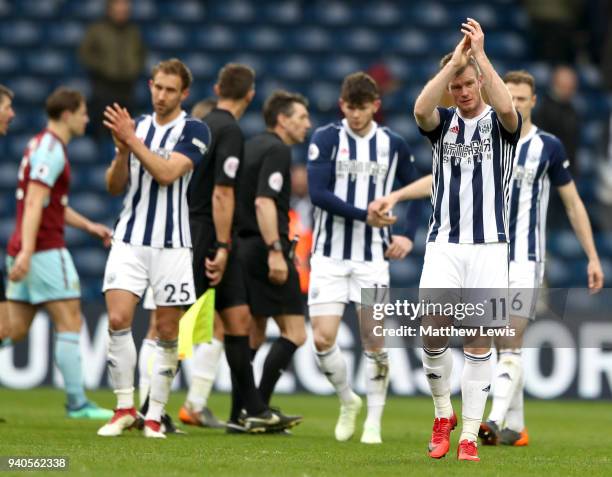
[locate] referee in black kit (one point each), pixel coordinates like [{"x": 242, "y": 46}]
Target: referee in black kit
[
  {"x": 211, "y": 212},
  {"x": 263, "y": 247}
]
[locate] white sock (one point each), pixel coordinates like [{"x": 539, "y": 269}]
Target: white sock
[
  {"x": 204, "y": 368},
  {"x": 475, "y": 386},
  {"x": 121, "y": 366},
  {"x": 145, "y": 357},
  {"x": 508, "y": 374},
  {"x": 332, "y": 364},
  {"x": 166, "y": 360},
  {"x": 377, "y": 382},
  {"x": 515, "y": 417},
  {"x": 438, "y": 367}
]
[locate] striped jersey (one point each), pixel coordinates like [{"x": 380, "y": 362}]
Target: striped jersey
[
  {"x": 540, "y": 161},
  {"x": 472, "y": 168},
  {"x": 155, "y": 215},
  {"x": 345, "y": 173}
]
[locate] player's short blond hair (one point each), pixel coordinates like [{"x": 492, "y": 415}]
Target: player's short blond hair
[
  {"x": 471, "y": 62},
  {"x": 521, "y": 77},
  {"x": 174, "y": 66}
]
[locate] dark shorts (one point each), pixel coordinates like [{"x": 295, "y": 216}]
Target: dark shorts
[
  {"x": 231, "y": 291},
  {"x": 266, "y": 299}
]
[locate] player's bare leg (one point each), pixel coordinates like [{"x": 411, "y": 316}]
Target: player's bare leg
[
  {"x": 507, "y": 391},
  {"x": 333, "y": 365},
  {"x": 121, "y": 359},
  {"x": 5, "y": 325},
  {"x": 66, "y": 317},
  {"x": 205, "y": 362},
  {"x": 377, "y": 375},
  {"x": 438, "y": 367}
]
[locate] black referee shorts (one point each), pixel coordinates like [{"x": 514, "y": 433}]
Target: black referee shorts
[
  {"x": 264, "y": 298},
  {"x": 231, "y": 291}
]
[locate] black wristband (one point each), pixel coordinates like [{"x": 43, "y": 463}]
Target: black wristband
[{"x": 225, "y": 245}]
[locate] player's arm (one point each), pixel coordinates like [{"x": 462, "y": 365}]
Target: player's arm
[
  {"x": 118, "y": 173},
  {"x": 33, "y": 204},
  {"x": 164, "y": 170},
  {"x": 426, "y": 105},
  {"x": 579, "y": 219},
  {"x": 228, "y": 150},
  {"x": 76, "y": 220},
  {"x": 320, "y": 169},
  {"x": 269, "y": 185},
  {"x": 496, "y": 89}
]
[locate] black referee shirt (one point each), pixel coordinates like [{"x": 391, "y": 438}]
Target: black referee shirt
[
  {"x": 222, "y": 168},
  {"x": 265, "y": 173}
]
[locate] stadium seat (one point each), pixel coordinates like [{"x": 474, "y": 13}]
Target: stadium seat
[
  {"x": 187, "y": 11},
  {"x": 264, "y": 39},
  {"x": 21, "y": 33},
  {"x": 380, "y": 14},
  {"x": 9, "y": 61},
  {"x": 427, "y": 14},
  {"x": 252, "y": 123},
  {"x": 405, "y": 273},
  {"x": 90, "y": 260},
  {"x": 39, "y": 10},
  {"x": 47, "y": 62},
  {"x": 311, "y": 38},
  {"x": 216, "y": 37},
  {"x": 202, "y": 65},
  {"x": 66, "y": 34},
  {"x": 409, "y": 42},
  {"x": 234, "y": 11},
  {"x": 286, "y": 12},
  {"x": 85, "y": 9},
  {"x": 360, "y": 40},
  {"x": 324, "y": 96},
  {"x": 83, "y": 150},
  {"x": 294, "y": 67},
  {"x": 8, "y": 172},
  {"x": 166, "y": 36},
  {"x": 331, "y": 13},
  {"x": 143, "y": 10},
  {"x": 338, "y": 66}
]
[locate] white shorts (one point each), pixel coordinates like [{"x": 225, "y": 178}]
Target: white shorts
[
  {"x": 168, "y": 271},
  {"x": 526, "y": 279},
  {"x": 338, "y": 282},
  {"x": 148, "y": 302},
  {"x": 468, "y": 273}
]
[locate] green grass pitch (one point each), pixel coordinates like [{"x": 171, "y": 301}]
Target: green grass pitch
[{"x": 568, "y": 438}]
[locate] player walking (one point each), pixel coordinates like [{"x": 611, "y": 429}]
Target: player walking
[
  {"x": 351, "y": 163},
  {"x": 40, "y": 269}
]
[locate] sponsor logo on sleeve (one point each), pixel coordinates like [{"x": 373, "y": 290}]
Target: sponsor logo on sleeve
[
  {"x": 566, "y": 163},
  {"x": 275, "y": 181},
  {"x": 199, "y": 144}
]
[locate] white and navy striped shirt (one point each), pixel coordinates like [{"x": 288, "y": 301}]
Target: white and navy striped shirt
[
  {"x": 540, "y": 160},
  {"x": 155, "y": 215},
  {"x": 345, "y": 173},
  {"x": 472, "y": 168}
]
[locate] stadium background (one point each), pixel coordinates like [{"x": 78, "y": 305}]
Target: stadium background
[{"x": 307, "y": 47}]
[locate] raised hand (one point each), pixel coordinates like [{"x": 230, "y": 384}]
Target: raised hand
[
  {"x": 462, "y": 53},
  {"x": 120, "y": 123},
  {"x": 474, "y": 35}
]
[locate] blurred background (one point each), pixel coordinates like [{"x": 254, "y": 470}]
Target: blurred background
[{"x": 106, "y": 49}]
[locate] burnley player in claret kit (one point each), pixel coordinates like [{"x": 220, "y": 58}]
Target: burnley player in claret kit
[
  {"x": 40, "y": 269},
  {"x": 467, "y": 244}
]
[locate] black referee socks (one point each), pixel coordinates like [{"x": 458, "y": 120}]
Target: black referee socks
[{"x": 276, "y": 362}]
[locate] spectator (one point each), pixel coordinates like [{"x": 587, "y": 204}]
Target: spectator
[
  {"x": 387, "y": 84},
  {"x": 113, "y": 54},
  {"x": 557, "y": 114},
  {"x": 553, "y": 28}
]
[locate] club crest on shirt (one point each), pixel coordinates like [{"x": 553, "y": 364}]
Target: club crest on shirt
[{"x": 485, "y": 126}]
